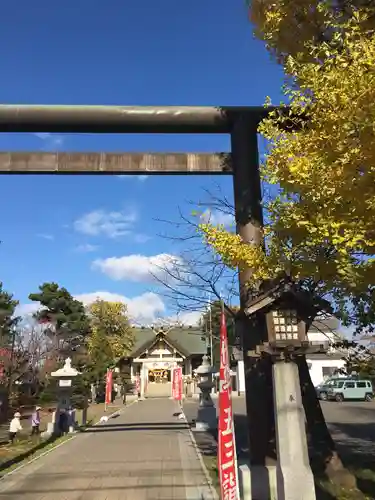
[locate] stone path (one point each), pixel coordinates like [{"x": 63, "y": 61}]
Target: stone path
[{"x": 145, "y": 453}]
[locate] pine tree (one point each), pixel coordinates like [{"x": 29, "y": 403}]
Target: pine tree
[{"x": 68, "y": 323}]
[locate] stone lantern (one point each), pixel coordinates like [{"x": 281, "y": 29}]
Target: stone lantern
[
  {"x": 285, "y": 307},
  {"x": 206, "y": 417},
  {"x": 64, "y": 377}
]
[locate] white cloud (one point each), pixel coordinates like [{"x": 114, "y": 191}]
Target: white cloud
[
  {"x": 46, "y": 236},
  {"x": 141, "y": 178},
  {"x": 50, "y": 140},
  {"x": 86, "y": 248},
  {"x": 187, "y": 318},
  {"x": 139, "y": 268},
  {"x": 141, "y": 238},
  {"x": 27, "y": 309},
  {"x": 111, "y": 224},
  {"x": 217, "y": 218},
  {"x": 142, "y": 309},
  {"x": 43, "y": 135}
]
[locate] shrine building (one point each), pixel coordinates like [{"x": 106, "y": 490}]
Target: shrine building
[{"x": 157, "y": 350}]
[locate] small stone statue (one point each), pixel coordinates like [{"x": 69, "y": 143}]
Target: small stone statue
[{"x": 68, "y": 365}]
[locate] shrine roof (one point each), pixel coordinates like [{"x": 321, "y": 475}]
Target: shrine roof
[{"x": 187, "y": 340}]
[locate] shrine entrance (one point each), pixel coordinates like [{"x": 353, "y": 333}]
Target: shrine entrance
[
  {"x": 159, "y": 376},
  {"x": 242, "y": 163},
  {"x": 155, "y": 362},
  {"x": 159, "y": 383}
]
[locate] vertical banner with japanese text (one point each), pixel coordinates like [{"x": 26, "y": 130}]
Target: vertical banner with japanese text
[
  {"x": 177, "y": 383},
  {"x": 145, "y": 376},
  {"x": 108, "y": 387},
  {"x": 137, "y": 384},
  {"x": 227, "y": 456},
  {"x": 174, "y": 383}
]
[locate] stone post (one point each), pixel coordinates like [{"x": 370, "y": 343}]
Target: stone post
[
  {"x": 294, "y": 478},
  {"x": 93, "y": 393},
  {"x": 84, "y": 411},
  {"x": 206, "y": 417},
  {"x": 189, "y": 392}
]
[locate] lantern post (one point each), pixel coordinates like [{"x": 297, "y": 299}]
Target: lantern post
[{"x": 285, "y": 307}]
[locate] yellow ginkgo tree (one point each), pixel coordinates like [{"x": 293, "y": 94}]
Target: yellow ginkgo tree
[
  {"x": 320, "y": 227},
  {"x": 111, "y": 336},
  {"x": 289, "y": 26}
]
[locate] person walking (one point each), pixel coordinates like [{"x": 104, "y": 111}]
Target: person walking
[
  {"x": 63, "y": 422},
  {"x": 35, "y": 421},
  {"x": 123, "y": 393},
  {"x": 15, "y": 426}
]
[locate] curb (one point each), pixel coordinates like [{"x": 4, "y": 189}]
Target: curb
[
  {"x": 214, "y": 494},
  {"x": 21, "y": 466}
]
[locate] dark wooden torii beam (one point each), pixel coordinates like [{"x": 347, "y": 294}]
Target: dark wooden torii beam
[
  {"x": 125, "y": 119},
  {"x": 115, "y": 163},
  {"x": 120, "y": 119},
  {"x": 241, "y": 123}
]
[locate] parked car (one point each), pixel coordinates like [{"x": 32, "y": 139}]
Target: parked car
[
  {"x": 323, "y": 388},
  {"x": 354, "y": 389}
]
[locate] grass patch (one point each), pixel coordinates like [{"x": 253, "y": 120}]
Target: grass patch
[
  {"x": 25, "y": 449},
  {"x": 325, "y": 490},
  {"x": 94, "y": 413},
  {"x": 211, "y": 463},
  {"x": 365, "y": 482}
]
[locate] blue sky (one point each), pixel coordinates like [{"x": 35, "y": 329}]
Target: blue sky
[{"x": 96, "y": 234}]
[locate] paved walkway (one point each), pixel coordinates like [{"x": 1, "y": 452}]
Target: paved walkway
[{"x": 145, "y": 453}]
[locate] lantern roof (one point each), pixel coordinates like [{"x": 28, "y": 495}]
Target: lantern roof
[{"x": 283, "y": 293}]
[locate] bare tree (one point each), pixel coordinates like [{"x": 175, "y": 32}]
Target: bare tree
[
  {"x": 28, "y": 356},
  {"x": 32, "y": 342},
  {"x": 20, "y": 363},
  {"x": 197, "y": 275}
]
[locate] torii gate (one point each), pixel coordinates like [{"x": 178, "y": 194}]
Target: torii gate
[{"x": 242, "y": 163}]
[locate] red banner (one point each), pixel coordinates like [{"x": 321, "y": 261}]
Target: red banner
[
  {"x": 177, "y": 383},
  {"x": 137, "y": 384},
  {"x": 227, "y": 456},
  {"x": 173, "y": 382},
  {"x": 108, "y": 387}
]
